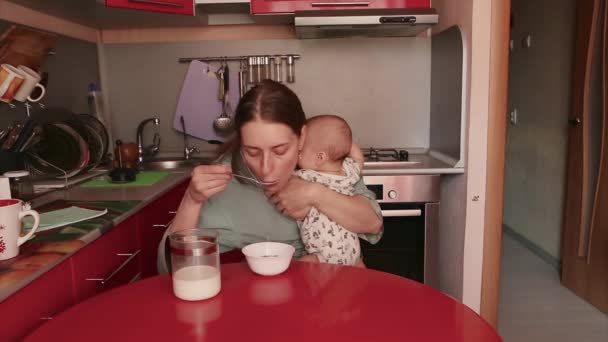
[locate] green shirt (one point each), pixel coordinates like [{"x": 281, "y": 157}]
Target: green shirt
[{"x": 243, "y": 214}]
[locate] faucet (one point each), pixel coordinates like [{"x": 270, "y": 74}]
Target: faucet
[
  {"x": 188, "y": 151},
  {"x": 149, "y": 150}
]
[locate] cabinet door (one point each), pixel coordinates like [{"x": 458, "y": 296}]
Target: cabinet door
[
  {"x": 111, "y": 260},
  {"x": 185, "y": 7},
  {"x": 153, "y": 221},
  {"x": 37, "y": 302},
  {"x": 290, "y": 6}
]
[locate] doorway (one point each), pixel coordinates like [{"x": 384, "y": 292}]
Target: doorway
[{"x": 542, "y": 170}]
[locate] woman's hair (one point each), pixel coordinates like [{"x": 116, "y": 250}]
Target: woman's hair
[{"x": 268, "y": 101}]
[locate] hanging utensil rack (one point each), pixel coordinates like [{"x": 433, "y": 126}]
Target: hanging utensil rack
[{"x": 255, "y": 68}]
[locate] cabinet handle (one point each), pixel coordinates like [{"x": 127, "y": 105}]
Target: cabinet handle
[
  {"x": 164, "y": 226},
  {"x": 173, "y": 212},
  {"x": 46, "y": 318},
  {"x": 340, "y": 3},
  {"x": 105, "y": 280},
  {"x": 159, "y": 3}
]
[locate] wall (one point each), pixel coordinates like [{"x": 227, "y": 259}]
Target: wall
[
  {"x": 70, "y": 70},
  {"x": 539, "y": 87},
  {"x": 381, "y": 86},
  {"x": 474, "y": 18}
]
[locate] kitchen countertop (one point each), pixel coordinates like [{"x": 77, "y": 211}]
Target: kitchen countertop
[
  {"x": 121, "y": 202},
  {"x": 421, "y": 164}
]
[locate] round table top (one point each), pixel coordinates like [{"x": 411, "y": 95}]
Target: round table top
[{"x": 309, "y": 302}]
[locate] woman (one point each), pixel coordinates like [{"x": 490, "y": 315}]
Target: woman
[{"x": 269, "y": 132}]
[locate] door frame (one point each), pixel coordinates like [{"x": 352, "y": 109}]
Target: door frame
[{"x": 495, "y": 164}]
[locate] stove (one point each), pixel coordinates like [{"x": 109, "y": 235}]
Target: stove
[{"x": 372, "y": 154}]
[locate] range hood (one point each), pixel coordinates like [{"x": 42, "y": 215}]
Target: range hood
[{"x": 364, "y": 22}]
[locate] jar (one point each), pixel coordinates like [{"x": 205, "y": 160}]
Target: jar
[
  {"x": 20, "y": 184},
  {"x": 195, "y": 263}
]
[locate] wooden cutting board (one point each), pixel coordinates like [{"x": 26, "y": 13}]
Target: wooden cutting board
[{"x": 21, "y": 45}]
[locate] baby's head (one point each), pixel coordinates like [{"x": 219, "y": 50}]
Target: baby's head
[{"x": 328, "y": 142}]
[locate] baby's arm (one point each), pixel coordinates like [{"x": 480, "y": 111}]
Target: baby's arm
[{"x": 357, "y": 155}]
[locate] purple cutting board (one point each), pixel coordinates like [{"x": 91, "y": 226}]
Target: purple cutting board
[{"x": 198, "y": 101}]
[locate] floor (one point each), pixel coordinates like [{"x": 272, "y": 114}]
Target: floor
[{"x": 535, "y": 307}]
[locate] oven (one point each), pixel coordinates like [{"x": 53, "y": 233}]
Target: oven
[{"x": 410, "y": 212}]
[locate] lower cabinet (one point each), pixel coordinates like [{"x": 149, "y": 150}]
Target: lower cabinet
[
  {"x": 37, "y": 302},
  {"x": 107, "y": 262},
  {"x": 124, "y": 254}
]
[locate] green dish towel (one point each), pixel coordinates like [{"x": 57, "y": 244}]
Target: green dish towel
[{"x": 144, "y": 178}]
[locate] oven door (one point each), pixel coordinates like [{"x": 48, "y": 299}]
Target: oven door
[{"x": 407, "y": 247}]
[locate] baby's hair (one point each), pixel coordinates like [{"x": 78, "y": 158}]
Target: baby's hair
[{"x": 337, "y": 144}]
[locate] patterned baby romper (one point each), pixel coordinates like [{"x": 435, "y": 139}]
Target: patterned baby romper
[{"x": 331, "y": 242}]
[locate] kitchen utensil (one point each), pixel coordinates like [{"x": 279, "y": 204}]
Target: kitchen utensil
[
  {"x": 250, "y": 71},
  {"x": 242, "y": 80},
  {"x": 266, "y": 67},
  {"x": 259, "y": 60},
  {"x": 254, "y": 180},
  {"x": 291, "y": 70},
  {"x": 12, "y": 137},
  {"x": 24, "y": 135},
  {"x": 277, "y": 69},
  {"x": 223, "y": 123},
  {"x": 198, "y": 102}
]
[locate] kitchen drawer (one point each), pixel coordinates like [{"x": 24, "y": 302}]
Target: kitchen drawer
[
  {"x": 37, "y": 302},
  {"x": 185, "y": 7},
  {"x": 111, "y": 260},
  {"x": 291, "y": 6}
]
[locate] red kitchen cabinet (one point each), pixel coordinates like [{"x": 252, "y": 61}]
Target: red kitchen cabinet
[
  {"x": 37, "y": 302},
  {"x": 185, "y": 7},
  {"x": 109, "y": 261},
  {"x": 291, "y": 6},
  {"x": 153, "y": 221}
]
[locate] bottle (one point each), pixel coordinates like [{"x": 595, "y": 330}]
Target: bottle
[{"x": 95, "y": 102}]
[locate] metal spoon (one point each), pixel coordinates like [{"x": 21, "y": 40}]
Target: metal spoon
[{"x": 255, "y": 180}]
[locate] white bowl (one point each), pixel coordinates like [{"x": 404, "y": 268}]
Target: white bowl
[{"x": 268, "y": 258}]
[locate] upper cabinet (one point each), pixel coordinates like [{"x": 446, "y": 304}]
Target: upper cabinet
[
  {"x": 291, "y": 6},
  {"x": 185, "y": 7}
]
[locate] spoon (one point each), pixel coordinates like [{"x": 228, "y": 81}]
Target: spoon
[{"x": 255, "y": 180}]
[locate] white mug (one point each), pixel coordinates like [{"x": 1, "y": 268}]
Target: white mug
[
  {"x": 11, "y": 214},
  {"x": 30, "y": 82},
  {"x": 11, "y": 79}
]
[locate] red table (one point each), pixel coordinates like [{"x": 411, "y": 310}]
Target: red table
[{"x": 309, "y": 302}]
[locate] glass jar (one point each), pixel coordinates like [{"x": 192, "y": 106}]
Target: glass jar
[
  {"x": 20, "y": 184},
  {"x": 195, "y": 263}
]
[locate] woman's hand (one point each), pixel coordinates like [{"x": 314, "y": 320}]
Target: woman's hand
[
  {"x": 296, "y": 198},
  {"x": 208, "y": 180}
]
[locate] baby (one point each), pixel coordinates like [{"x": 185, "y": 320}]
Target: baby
[{"x": 329, "y": 157}]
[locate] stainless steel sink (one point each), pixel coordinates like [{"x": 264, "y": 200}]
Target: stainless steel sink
[{"x": 172, "y": 163}]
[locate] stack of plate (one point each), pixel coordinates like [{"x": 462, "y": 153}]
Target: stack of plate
[{"x": 63, "y": 144}]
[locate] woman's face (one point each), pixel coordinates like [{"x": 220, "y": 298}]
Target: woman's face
[{"x": 271, "y": 151}]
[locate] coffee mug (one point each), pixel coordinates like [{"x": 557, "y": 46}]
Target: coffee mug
[
  {"x": 11, "y": 79},
  {"x": 30, "y": 82},
  {"x": 11, "y": 214}
]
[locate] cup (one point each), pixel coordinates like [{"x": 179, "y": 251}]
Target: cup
[
  {"x": 30, "y": 82},
  {"x": 11, "y": 214},
  {"x": 195, "y": 263},
  {"x": 11, "y": 80}
]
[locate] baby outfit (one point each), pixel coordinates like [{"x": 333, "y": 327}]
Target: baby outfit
[{"x": 331, "y": 242}]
